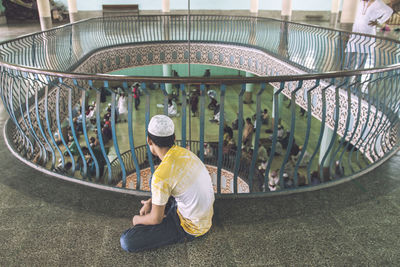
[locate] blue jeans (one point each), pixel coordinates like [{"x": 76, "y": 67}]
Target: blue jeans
[
  {"x": 137, "y": 102},
  {"x": 144, "y": 237}
]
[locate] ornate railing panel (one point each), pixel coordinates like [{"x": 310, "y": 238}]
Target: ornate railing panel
[{"x": 311, "y": 48}]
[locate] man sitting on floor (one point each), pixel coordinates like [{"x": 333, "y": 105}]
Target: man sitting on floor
[{"x": 181, "y": 189}]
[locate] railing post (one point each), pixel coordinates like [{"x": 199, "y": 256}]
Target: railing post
[{"x": 221, "y": 136}]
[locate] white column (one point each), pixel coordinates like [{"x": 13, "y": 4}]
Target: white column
[
  {"x": 167, "y": 71},
  {"x": 280, "y": 98},
  {"x": 254, "y": 6},
  {"x": 286, "y": 12},
  {"x": 44, "y": 14},
  {"x": 335, "y": 6},
  {"x": 326, "y": 140},
  {"x": 167, "y": 68},
  {"x": 334, "y": 12},
  {"x": 323, "y": 151},
  {"x": 283, "y": 38},
  {"x": 349, "y": 11},
  {"x": 165, "y": 6},
  {"x": 73, "y": 11},
  {"x": 253, "y": 22},
  {"x": 248, "y": 94}
]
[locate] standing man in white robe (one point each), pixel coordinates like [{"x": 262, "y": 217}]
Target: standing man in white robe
[
  {"x": 370, "y": 13},
  {"x": 122, "y": 107}
]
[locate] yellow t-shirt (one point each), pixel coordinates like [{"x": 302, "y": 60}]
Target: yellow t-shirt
[{"x": 181, "y": 174}]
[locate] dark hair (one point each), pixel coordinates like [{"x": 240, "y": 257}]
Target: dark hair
[
  {"x": 68, "y": 165},
  {"x": 85, "y": 150},
  {"x": 165, "y": 141}
]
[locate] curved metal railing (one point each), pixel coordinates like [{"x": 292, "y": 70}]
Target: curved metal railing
[
  {"x": 352, "y": 115},
  {"x": 228, "y": 163},
  {"x": 312, "y": 48}
]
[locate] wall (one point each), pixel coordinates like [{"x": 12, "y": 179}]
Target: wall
[
  {"x": 308, "y": 5},
  {"x": 211, "y": 4},
  {"x": 182, "y": 69},
  {"x": 311, "y": 5}
]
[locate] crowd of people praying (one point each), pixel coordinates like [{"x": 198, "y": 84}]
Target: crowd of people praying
[
  {"x": 249, "y": 126},
  {"x": 89, "y": 117},
  {"x": 266, "y": 146}
]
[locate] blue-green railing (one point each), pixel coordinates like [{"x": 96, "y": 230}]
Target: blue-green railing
[
  {"x": 311, "y": 48},
  {"x": 356, "y": 111}
]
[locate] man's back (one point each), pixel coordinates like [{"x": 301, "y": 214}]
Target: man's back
[{"x": 182, "y": 175}]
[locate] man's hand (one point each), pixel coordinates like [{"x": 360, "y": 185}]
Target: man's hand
[
  {"x": 134, "y": 220},
  {"x": 146, "y": 207},
  {"x": 373, "y": 22},
  {"x": 154, "y": 216}
]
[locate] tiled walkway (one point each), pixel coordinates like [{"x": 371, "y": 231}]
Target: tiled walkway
[{"x": 49, "y": 222}]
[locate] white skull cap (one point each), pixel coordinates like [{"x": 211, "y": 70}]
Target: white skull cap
[{"x": 161, "y": 126}]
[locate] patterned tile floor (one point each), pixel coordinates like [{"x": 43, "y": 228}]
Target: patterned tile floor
[{"x": 226, "y": 180}]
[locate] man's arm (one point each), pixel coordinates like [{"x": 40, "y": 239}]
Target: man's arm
[
  {"x": 154, "y": 217},
  {"x": 146, "y": 207},
  {"x": 387, "y": 12}
]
